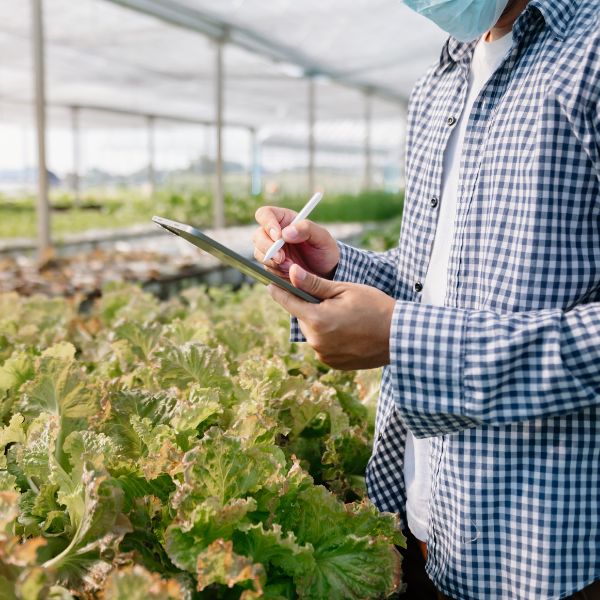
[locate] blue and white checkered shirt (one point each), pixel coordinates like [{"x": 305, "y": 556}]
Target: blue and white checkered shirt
[{"x": 505, "y": 378}]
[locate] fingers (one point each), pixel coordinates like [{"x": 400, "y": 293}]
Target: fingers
[
  {"x": 294, "y": 305},
  {"x": 304, "y": 231},
  {"x": 273, "y": 218},
  {"x": 262, "y": 242},
  {"x": 314, "y": 285}
]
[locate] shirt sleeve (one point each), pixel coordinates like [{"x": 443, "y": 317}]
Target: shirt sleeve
[
  {"x": 377, "y": 269},
  {"x": 453, "y": 369}
]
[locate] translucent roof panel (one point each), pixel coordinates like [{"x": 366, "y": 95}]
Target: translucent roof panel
[
  {"x": 99, "y": 53},
  {"x": 121, "y": 61},
  {"x": 377, "y": 42}
]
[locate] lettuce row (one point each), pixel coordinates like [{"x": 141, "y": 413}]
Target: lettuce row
[{"x": 182, "y": 449}]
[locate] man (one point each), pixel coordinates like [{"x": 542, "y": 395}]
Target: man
[{"x": 487, "y": 315}]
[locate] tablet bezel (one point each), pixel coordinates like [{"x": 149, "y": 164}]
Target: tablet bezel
[{"x": 229, "y": 257}]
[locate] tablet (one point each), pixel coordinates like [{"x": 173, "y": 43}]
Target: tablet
[{"x": 231, "y": 258}]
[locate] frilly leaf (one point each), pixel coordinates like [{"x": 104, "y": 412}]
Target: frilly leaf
[
  {"x": 136, "y": 583},
  {"x": 59, "y": 387},
  {"x": 194, "y": 363},
  {"x": 193, "y": 530},
  {"x": 220, "y": 564}
]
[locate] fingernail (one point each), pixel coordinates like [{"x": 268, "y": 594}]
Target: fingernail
[
  {"x": 292, "y": 232},
  {"x": 274, "y": 233},
  {"x": 300, "y": 273}
]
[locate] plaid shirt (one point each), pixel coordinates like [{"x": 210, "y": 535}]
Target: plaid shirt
[{"x": 505, "y": 378}]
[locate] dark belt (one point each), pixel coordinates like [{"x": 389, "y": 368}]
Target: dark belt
[{"x": 591, "y": 592}]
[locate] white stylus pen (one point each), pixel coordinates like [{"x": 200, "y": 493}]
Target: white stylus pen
[{"x": 306, "y": 210}]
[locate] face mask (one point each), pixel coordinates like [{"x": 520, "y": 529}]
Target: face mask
[{"x": 466, "y": 20}]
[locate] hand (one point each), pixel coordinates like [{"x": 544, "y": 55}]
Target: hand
[
  {"x": 307, "y": 244},
  {"x": 350, "y": 328}
]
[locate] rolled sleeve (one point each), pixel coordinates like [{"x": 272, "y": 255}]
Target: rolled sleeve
[
  {"x": 453, "y": 369},
  {"x": 426, "y": 358}
]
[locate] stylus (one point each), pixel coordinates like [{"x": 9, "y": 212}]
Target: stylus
[{"x": 306, "y": 210}]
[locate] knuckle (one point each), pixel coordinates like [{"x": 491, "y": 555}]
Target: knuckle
[
  {"x": 303, "y": 226},
  {"x": 263, "y": 214}
]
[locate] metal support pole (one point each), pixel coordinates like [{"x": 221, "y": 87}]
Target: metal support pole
[
  {"x": 255, "y": 168},
  {"x": 311, "y": 135},
  {"x": 219, "y": 199},
  {"x": 43, "y": 205},
  {"x": 368, "y": 154},
  {"x": 151, "y": 155},
  {"x": 75, "y": 183},
  {"x": 205, "y": 170},
  {"x": 25, "y": 180}
]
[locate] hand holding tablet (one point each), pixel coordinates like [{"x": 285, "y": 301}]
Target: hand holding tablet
[
  {"x": 229, "y": 257},
  {"x": 303, "y": 214}
]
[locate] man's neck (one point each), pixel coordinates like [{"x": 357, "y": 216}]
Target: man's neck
[{"x": 506, "y": 21}]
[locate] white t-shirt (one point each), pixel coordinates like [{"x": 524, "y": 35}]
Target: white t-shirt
[{"x": 487, "y": 57}]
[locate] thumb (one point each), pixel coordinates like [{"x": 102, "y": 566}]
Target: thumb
[
  {"x": 306, "y": 231},
  {"x": 314, "y": 285}
]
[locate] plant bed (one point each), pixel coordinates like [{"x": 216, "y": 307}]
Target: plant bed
[{"x": 182, "y": 449}]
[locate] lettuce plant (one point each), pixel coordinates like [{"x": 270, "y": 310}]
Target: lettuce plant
[{"x": 182, "y": 449}]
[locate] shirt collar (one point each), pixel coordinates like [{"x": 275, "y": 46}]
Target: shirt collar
[{"x": 556, "y": 15}]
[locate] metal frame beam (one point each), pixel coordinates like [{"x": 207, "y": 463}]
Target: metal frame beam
[
  {"x": 255, "y": 164},
  {"x": 154, "y": 115},
  {"x": 219, "y": 195},
  {"x": 312, "y": 117},
  {"x": 75, "y": 133},
  {"x": 115, "y": 110},
  {"x": 368, "y": 135},
  {"x": 151, "y": 155},
  {"x": 43, "y": 204},
  {"x": 349, "y": 148},
  {"x": 214, "y": 26}
]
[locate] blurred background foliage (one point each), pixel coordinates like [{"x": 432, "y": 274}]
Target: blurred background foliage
[{"x": 17, "y": 216}]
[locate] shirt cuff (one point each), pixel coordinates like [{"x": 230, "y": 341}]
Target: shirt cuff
[
  {"x": 353, "y": 265},
  {"x": 427, "y": 352}
]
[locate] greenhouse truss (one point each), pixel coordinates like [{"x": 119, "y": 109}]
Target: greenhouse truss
[{"x": 325, "y": 76}]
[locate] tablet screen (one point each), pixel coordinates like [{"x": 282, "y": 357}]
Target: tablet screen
[{"x": 230, "y": 258}]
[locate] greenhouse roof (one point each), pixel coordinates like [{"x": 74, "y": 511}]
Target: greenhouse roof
[{"x": 152, "y": 60}]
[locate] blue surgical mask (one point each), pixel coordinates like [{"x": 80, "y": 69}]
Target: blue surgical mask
[{"x": 466, "y": 20}]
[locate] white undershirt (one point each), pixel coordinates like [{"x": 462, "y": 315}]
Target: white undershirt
[{"x": 486, "y": 59}]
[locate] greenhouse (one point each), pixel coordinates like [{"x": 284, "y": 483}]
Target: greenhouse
[
  {"x": 299, "y": 300},
  {"x": 152, "y": 86}
]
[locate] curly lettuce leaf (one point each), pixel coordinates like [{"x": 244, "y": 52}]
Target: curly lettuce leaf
[
  {"x": 191, "y": 533},
  {"x": 136, "y": 583},
  {"x": 194, "y": 363},
  {"x": 347, "y": 565},
  {"x": 221, "y": 467},
  {"x": 100, "y": 526},
  {"x": 220, "y": 564}
]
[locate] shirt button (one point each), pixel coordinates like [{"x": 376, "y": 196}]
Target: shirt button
[
  {"x": 451, "y": 121},
  {"x": 418, "y": 286},
  {"x": 434, "y": 202}
]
